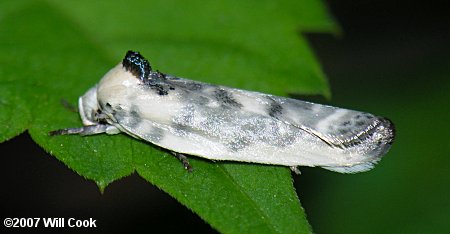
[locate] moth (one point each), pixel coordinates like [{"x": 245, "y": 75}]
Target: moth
[{"x": 221, "y": 123}]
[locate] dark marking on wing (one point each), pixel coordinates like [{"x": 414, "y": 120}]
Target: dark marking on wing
[
  {"x": 275, "y": 109},
  {"x": 158, "y": 82},
  {"x": 134, "y": 117},
  {"x": 183, "y": 122},
  {"x": 181, "y": 130},
  {"x": 160, "y": 89},
  {"x": 191, "y": 91},
  {"x": 224, "y": 97},
  {"x": 346, "y": 123},
  {"x": 237, "y": 144}
]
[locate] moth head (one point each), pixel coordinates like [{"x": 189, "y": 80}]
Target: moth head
[{"x": 135, "y": 63}]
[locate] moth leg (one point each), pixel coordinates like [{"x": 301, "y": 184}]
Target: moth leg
[
  {"x": 295, "y": 170},
  {"x": 184, "y": 160},
  {"x": 87, "y": 130}
]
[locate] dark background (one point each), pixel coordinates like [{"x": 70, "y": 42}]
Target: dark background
[{"x": 390, "y": 59}]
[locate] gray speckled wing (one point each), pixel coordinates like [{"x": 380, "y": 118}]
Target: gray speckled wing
[
  {"x": 281, "y": 121},
  {"x": 337, "y": 126}
]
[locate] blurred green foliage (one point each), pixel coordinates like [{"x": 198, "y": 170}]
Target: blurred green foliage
[{"x": 409, "y": 190}]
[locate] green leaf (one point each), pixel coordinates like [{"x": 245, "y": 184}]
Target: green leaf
[
  {"x": 53, "y": 50},
  {"x": 13, "y": 108}
]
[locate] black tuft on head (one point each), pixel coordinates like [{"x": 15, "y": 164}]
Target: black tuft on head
[{"x": 137, "y": 65}]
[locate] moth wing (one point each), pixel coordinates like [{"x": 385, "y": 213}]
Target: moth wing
[
  {"x": 360, "y": 136},
  {"x": 223, "y": 123},
  {"x": 337, "y": 126}
]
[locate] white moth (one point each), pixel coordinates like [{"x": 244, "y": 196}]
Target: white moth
[{"x": 222, "y": 123}]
